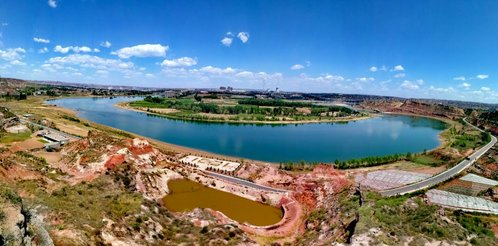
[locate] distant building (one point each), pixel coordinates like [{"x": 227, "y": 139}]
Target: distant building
[{"x": 169, "y": 94}]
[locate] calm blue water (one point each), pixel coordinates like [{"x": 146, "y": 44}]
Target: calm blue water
[{"x": 322, "y": 142}]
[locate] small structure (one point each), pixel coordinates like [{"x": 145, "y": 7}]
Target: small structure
[
  {"x": 202, "y": 163},
  {"x": 56, "y": 137},
  {"x": 55, "y": 140}
]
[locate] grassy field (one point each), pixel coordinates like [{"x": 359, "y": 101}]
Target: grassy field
[
  {"x": 427, "y": 159},
  {"x": 406, "y": 216},
  {"x": 14, "y": 137}
]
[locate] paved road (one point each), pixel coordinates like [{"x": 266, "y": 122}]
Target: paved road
[
  {"x": 441, "y": 177},
  {"x": 243, "y": 182}
]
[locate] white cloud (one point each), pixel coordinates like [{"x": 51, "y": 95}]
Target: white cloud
[
  {"x": 12, "y": 54},
  {"x": 399, "y": 68},
  {"x": 18, "y": 63},
  {"x": 245, "y": 74},
  {"x": 106, "y": 44},
  {"x": 373, "y": 69},
  {"x": 441, "y": 90},
  {"x": 485, "y": 89},
  {"x": 102, "y": 72},
  {"x": 459, "y": 78},
  {"x": 399, "y": 75},
  {"x": 142, "y": 50},
  {"x": 227, "y": 41},
  {"x": 180, "y": 62},
  {"x": 216, "y": 70},
  {"x": 482, "y": 76},
  {"x": 365, "y": 79},
  {"x": 89, "y": 61},
  {"x": 297, "y": 67},
  {"x": 243, "y": 36},
  {"x": 61, "y": 49},
  {"x": 43, "y": 50},
  {"x": 75, "y": 49},
  {"x": 41, "y": 40},
  {"x": 465, "y": 85},
  {"x": 52, "y": 3},
  {"x": 409, "y": 85},
  {"x": 420, "y": 81},
  {"x": 323, "y": 78},
  {"x": 149, "y": 75},
  {"x": 82, "y": 49},
  {"x": 383, "y": 68}
]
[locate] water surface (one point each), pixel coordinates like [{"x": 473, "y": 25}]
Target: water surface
[
  {"x": 185, "y": 195},
  {"x": 316, "y": 142}
]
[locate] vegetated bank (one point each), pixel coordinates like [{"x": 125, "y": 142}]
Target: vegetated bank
[
  {"x": 248, "y": 110},
  {"x": 458, "y": 140}
]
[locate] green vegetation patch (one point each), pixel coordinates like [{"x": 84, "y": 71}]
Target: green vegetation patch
[
  {"x": 474, "y": 223},
  {"x": 86, "y": 203},
  {"x": 14, "y": 137},
  {"x": 6, "y": 113},
  {"x": 243, "y": 110},
  {"x": 410, "y": 216},
  {"x": 70, "y": 118},
  {"x": 371, "y": 161},
  {"x": 427, "y": 159}
]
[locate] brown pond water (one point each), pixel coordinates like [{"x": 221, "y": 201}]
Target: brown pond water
[{"x": 185, "y": 195}]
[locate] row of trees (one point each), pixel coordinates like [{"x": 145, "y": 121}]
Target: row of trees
[
  {"x": 301, "y": 166},
  {"x": 281, "y": 103},
  {"x": 247, "y": 106},
  {"x": 348, "y": 164},
  {"x": 371, "y": 161}
]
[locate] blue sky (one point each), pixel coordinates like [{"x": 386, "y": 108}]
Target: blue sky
[{"x": 424, "y": 49}]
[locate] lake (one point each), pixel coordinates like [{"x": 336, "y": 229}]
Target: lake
[
  {"x": 186, "y": 195},
  {"x": 316, "y": 142}
]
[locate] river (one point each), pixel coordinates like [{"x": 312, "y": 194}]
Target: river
[{"x": 315, "y": 142}]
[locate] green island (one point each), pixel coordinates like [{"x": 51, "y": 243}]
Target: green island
[{"x": 243, "y": 110}]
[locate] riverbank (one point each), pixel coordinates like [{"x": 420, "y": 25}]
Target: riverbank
[
  {"x": 304, "y": 130},
  {"x": 126, "y": 106},
  {"x": 442, "y": 140}
]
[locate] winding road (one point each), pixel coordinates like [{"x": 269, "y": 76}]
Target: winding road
[
  {"x": 243, "y": 182},
  {"x": 441, "y": 177}
]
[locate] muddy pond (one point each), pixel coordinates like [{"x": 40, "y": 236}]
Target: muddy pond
[{"x": 186, "y": 195}]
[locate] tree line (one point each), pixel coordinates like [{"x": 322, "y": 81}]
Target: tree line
[{"x": 247, "y": 106}]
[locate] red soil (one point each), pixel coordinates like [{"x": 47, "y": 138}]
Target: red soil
[{"x": 114, "y": 160}]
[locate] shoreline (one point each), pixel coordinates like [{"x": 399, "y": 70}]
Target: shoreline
[
  {"x": 165, "y": 146},
  {"x": 442, "y": 141},
  {"x": 126, "y": 106}
]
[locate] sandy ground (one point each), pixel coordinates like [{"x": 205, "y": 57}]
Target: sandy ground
[
  {"x": 51, "y": 157},
  {"x": 72, "y": 129},
  {"x": 32, "y": 143}
]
